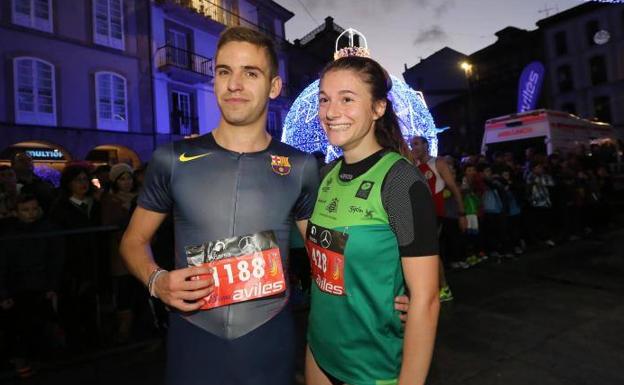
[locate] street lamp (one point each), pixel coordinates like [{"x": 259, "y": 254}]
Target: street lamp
[{"x": 467, "y": 67}]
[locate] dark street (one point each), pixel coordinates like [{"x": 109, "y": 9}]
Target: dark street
[{"x": 552, "y": 317}]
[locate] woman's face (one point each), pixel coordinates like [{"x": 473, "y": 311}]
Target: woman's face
[
  {"x": 79, "y": 186},
  {"x": 346, "y": 109},
  {"x": 125, "y": 183}
]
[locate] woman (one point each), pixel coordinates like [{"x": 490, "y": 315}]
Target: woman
[
  {"x": 116, "y": 212},
  {"x": 371, "y": 237},
  {"x": 78, "y": 207}
]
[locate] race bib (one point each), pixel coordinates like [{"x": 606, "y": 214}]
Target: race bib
[
  {"x": 326, "y": 251},
  {"x": 243, "y": 268}
]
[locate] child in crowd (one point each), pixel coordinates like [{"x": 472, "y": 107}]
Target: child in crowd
[{"x": 31, "y": 264}]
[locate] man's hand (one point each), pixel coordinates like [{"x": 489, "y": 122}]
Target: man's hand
[
  {"x": 401, "y": 303},
  {"x": 182, "y": 290},
  {"x": 463, "y": 223}
]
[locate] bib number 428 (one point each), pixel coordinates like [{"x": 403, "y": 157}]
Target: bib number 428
[{"x": 327, "y": 269}]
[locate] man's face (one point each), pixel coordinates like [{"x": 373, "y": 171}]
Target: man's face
[
  {"x": 419, "y": 148},
  {"x": 243, "y": 83},
  {"x": 28, "y": 212},
  {"x": 22, "y": 164},
  {"x": 470, "y": 172},
  {"x": 7, "y": 177}
]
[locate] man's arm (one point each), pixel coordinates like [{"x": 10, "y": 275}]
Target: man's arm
[
  {"x": 174, "y": 288},
  {"x": 448, "y": 179},
  {"x": 421, "y": 277}
]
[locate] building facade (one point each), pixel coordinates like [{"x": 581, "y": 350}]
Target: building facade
[
  {"x": 183, "y": 46},
  {"x": 584, "y": 49},
  {"x": 109, "y": 80},
  {"x": 75, "y": 79}
]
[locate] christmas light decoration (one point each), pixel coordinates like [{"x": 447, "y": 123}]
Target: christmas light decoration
[{"x": 302, "y": 127}]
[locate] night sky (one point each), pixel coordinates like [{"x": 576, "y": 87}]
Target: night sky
[{"x": 403, "y": 31}]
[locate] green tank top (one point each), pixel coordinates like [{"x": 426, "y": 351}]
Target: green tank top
[{"x": 358, "y": 337}]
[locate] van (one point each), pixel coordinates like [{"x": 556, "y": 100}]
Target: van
[{"x": 546, "y": 131}]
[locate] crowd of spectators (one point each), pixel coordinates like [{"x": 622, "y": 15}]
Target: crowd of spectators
[
  {"x": 510, "y": 205},
  {"x": 63, "y": 286}
]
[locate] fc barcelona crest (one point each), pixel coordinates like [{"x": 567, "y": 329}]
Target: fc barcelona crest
[{"x": 280, "y": 164}]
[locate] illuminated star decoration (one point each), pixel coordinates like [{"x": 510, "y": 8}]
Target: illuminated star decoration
[{"x": 302, "y": 127}]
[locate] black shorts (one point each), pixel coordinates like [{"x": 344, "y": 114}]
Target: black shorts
[{"x": 264, "y": 356}]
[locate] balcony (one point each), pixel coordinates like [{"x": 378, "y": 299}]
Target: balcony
[
  {"x": 183, "y": 125},
  {"x": 183, "y": 65},
  {"x": 197, "y": 12}
]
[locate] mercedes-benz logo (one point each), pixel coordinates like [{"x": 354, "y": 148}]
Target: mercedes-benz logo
[
  {"x": 326, "y": 239},
  {"x": 218, "y": 246},
  {"x": 247, "y": 245}
]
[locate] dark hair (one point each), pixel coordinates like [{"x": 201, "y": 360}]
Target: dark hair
[
  {"x": 26, "y": 197},
  {"x": 69, "y": 174},
  {"x": 422, "y": 139},
  {"x": 102, "y": 168},
  {"x": 387, "y": 130},
  {"x": 248, "y": 35}
]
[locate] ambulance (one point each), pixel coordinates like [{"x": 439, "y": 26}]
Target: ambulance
[{"x": 546, "y": 131}]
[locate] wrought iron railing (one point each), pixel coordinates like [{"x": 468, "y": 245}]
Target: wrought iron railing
[
  {"x": 169, "y": 55},
  {"x": 222, "y": 15}
]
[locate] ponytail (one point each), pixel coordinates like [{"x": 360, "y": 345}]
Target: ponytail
[{"x": 388, "y": 133}]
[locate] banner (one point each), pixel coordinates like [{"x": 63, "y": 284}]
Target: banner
[{"x": 529, "y": 86}]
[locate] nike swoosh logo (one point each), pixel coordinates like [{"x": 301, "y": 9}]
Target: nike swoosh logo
[{"x": 184, "y": 158}]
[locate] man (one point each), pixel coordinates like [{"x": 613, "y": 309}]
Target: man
[
  {"x": 229, "y": 189},
  {"x": 439, "y": 178},
  {"x": 29, "y": 183}
]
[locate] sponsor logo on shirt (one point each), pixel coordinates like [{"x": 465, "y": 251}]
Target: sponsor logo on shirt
[
  {"x": 332, "y": 207},
  {"x": 364, "y": 190},
  {"x": 327, "y": 186},
  {"x": 280, "y": 165},
  {"x": 368, "y": 214},
  {"x": 355, "y": 210},
  {"x": 187, "y": 158},
  {"x": 346, "y": 177}
]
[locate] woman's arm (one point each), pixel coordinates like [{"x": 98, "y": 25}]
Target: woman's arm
[{"x": 421, "y": 276}]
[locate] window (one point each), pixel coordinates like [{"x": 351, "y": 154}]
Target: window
[
  {"x": 569, "y": 107},
  {"x": 182, "y": 120},
  {"x": 111, "y": 101},
  {"x": 591, "y": 28},
  {"x": 108, "y": 23},
  {"x": 35, "y": 14},
  {"x": 178, "y": 52},
  {"x": 564, "y": 78},
  {"x": 598, "y": 69},
  {"x": 602, "y": 108},
  {"x": 561, "y": 43},
  {"x": 34, "y": 92}
]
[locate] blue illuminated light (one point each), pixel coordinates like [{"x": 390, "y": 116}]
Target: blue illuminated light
[{"x": 302, "y": 128}]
